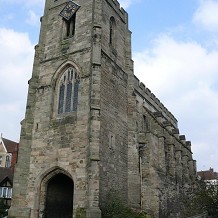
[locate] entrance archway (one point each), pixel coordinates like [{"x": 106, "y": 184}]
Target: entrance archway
[{"x": 59, "y": 197}]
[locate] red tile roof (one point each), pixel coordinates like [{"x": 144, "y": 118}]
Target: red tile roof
[
  {"x": 208, "y": 174},
  {"x": 11, "y": 146}
]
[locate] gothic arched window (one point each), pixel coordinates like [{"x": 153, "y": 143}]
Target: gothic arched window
[
  {"x": 112, "y": 31},
  {"x": 68, "y": 91}
]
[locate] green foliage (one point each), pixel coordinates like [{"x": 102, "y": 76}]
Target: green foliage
[
  {"x": 204, "y": 198},
  {"x": 116, "y": 209},
  {"x": 3, "y": 209},
  {"x": 80, "y": 213}
]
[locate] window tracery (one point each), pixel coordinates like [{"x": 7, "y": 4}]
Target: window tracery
[{"x": 68, "y": 89}]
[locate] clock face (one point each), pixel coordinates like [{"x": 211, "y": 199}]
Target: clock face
[{"x": 69, "y": 10}]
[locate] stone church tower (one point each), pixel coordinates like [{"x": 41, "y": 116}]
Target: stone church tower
[
  {"x": 74, "y": 139},
  {"x": 90, "y": 126}
]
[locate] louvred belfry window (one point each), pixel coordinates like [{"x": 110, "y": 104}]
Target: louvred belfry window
[
  {"x": 70, "y": 26},
  {"x": 68, "y": 91}
]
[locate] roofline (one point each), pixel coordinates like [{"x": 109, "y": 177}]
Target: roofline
[
  {"x": 6, "y": 178},
  {"x": 1, "y": 141}
]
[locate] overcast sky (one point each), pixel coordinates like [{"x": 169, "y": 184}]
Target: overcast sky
[{"x": 175, "y": 53}]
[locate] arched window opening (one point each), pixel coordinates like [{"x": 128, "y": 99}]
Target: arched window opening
[
  {"x": 59, "y": 197},
  {"x": 68, "y": 91},
  {"x": 112, "y": 31}
]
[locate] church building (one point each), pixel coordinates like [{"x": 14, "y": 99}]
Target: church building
[{"x": 91, "y": 128}]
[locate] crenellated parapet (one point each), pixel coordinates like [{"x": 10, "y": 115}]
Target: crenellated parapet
[
  {"x": 179, "y": 164},
  {"x": 184, "y": 146},
  {"x": 151, "y": 102},
  {"x": 166, "y": 161},
  {"x": 119, "y": 10}
]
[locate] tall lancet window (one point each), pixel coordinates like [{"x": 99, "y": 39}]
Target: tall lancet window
[
  {"x": 112, "y": 31},
  {"x": 68, "y": 91}
]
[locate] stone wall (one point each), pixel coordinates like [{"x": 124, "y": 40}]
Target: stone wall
[
  {"x": 114, "y": 131},
  {"x": 114, "y": 104},
  {"x": 167, "y": 168}
]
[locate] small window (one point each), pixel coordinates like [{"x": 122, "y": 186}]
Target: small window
[
  {"x": 0, "y": 160},
  {"x": 144, "y": 124},
  {"x": 8, "y": 161},
  {"x": 68, "y": 91},
  {"x": 141, "y": 149},
  {"x": 112, "y": 31},
  {"x": 9, "y": 194},
  {"x": 5, "y": 192},
  {"x": 111, "y": 141}
]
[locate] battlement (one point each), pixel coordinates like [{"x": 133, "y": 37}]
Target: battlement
[
  {"x": 116, "y": 6},
  {"x": 154, "y": 103},
  {"x": 173, "y": 131}
]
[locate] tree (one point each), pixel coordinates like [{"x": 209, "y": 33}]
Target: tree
[
  {"x": 203, "y": 199},
  {"x": 3, "y": 209}
]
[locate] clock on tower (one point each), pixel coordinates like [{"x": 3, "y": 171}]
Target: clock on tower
[{"x": 69, "y": 10}]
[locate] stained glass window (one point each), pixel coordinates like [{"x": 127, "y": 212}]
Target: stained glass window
[
  {"x": 68, "y": 91},
  {"x": 61, "y": 99},
  {"x": 68, "y": 97},
  {"x": 75, "y": 97}
]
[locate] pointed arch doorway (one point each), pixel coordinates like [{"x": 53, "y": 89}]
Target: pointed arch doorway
[{"x": 59, "y": 197}]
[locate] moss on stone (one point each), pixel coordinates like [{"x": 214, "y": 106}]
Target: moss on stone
[{"x": 80, "y": 212}]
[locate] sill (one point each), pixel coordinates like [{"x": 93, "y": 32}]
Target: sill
[
  {"x": 66, "y": 114},
  {"x": 68, "y": 37},
  {"x": 65, "y": 118}
]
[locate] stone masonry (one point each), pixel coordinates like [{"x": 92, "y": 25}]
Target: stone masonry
[{"x": 118, "y": 136}]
